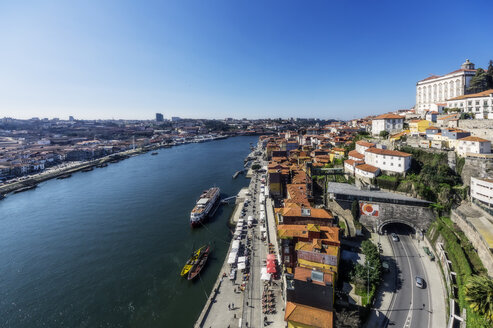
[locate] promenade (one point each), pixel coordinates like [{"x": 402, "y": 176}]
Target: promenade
[{"x": 237, "y": 301}]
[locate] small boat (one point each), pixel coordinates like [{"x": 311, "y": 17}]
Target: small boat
[
  {"x": 87, "y": 169},
  {"x": 154, "y": 153},
  {"x": 64, "y": 176},
  {"x": 25, "y": 189},
  {"x": 202, "y": 260},
  {"x": 192, "y": 261}
]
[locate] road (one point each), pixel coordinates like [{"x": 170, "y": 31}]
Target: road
[{"x": 411, "y": 305}]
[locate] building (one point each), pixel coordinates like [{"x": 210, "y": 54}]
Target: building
[
  {"x": 387, "y": 122},
  {"x": 473, "y": 145},
  {"x": 482, "y": 191},
  {"x": 311, "y": 288},
  {"x": 438, "y": 88},
  {"x": 392, "y": 161},
  {"x": 417, "y": 127},
  {"x": 361, "y": 146},
  {"x": 302, "y": 316},
  {"x": 175, "y": 119},
  {"x": 480, "y": 104},
  {"x": 159, "y": 117},
  {"x": 432, "y": 116},
  {"x": 366, "y": 171}
]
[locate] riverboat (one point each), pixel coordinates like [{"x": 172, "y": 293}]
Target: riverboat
[
  {"x": 202, "y": 260},
  {"x": 192, "y": 261},
  {"x": 204, "y": 206}
]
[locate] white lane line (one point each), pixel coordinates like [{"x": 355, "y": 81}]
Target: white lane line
[
  {"x": 409, "y": 314},
  {"x": 428, "y": 287}
]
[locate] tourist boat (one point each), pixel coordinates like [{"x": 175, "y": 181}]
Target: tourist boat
[
  {"x": 204, "y": 206},
  {"x": 192, "y": 261},
  {"x": 202, "y": 260},
  {"x": 154, "y": 153}
]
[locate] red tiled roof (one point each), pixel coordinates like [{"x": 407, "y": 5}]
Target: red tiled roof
[
  {"x": 475, "y": 139},
  {"x": 354, "y": 153},
  {"x": 474, "y": 95},
  {"x": 365, "y": 143},
  {"x": 387, "y": 152},
  {"x": 367, "y": 168},
  {"x": 387, "y": 116}
]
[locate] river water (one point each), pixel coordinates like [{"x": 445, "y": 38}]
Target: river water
[{"x": 105, "y": 248}]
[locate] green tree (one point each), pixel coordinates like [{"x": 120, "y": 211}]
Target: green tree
[
  {"x": 384, "y": 134},
  {"x": 479, "y": 294},
  {"x": 489, "y": 73},
  {"x": 355, "y": 210},
  {"x": 256, "y": 167},
  {"x": 479, "y": 82}
]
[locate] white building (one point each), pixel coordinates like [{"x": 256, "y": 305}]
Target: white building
[
  {"x": 482, "y": 191},
  {"x": 366, "y": 171},
  {"x": 437, "y": 89},
  {"x": 473, "y": 145},
  {"x": 361, "y": 146},
  {"x": 387, "y": 122},
  {"x": 350, "y": 164},
  {"x": 480, "y": 104},
  {"x": 388, "y": 160}
]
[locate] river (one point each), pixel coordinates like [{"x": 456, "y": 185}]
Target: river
[{"x": 105, "y": 248}]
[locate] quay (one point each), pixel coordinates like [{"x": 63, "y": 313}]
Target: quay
[{"x": 252, "y": 298}]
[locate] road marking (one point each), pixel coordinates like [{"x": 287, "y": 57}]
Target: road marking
[
  {"x": 409, "y": 314},
  {"x": 428, "y": 289}
]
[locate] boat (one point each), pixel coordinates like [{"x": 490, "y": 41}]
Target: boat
[
  {"x": 154, "y": 153},
  {"x": 64, "y": 176},
  {"x": 87, "y": 169},
  {"x": 192, "y": 261},
  {"x": 204, "y": 206},
  {"x": 202, "y": 260},
  {"x": 26, "y": 188}
]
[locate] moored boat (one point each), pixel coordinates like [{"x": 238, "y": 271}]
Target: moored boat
[
  {"x": 192, "y": 261},
  {"x": 204, "y": 206},
  {"x": 202, "y": 260}
]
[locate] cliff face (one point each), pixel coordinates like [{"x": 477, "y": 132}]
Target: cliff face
[{"x": 481, "y": 168}]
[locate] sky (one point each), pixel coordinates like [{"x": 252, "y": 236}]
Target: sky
[{"x": 324, "y": 59}]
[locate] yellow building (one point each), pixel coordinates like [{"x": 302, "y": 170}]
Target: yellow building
[{"x": 418, "y": 126}]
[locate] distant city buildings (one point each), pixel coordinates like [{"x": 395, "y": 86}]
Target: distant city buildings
[
  {"x": 159, "y": 117},
  {"x": 391, "y": 123}
]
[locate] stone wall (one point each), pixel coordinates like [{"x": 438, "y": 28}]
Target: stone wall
[
  {"x": 478, "y": 128},
  {"x": 460, "y": 218},
  {"x": 478, "y": 168},
  {"x": 417, "y": 217}
]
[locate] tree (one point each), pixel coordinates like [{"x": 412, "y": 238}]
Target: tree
[
  {"x": 489, "y": 73},
  {"x": 256, "y": 167},
  {"x": 479, "y": 294},
  {"x": 384, "y": 134},
  {"x": 355, "y": 209},
  {"x": 479, "y": 82}
]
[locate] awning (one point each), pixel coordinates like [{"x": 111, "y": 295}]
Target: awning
[
  {"x": 242, "y": 259},
  {"x": 264, "y": 275},
  {"x": 232, "y": 258},
  {"x": 241, "y": 266}
]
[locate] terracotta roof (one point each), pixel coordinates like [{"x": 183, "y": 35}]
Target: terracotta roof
[
  {"x": 307, "y": 315},
  {"x": 318, "y": 246},
  {"x": 475, "y": 95},
  {"x": 475, "y": 139},
  {"x": 367, "y": 168},
  {"x": 387, "y": 152},
  {"x": 354, "y": 153},
  {"x": 352, "y": 162},
  {"x": 387, "y": 116},
  {"x": 448, "y": 116},
  {"x": 486, "y": 179},
  {"x": 303, "y": 274},
  {"x": 295, "y": 210},
  {"x": 432, "y": 128},
  {"x": 456, "y": 71},
  {"x": 365, "y": 143}
]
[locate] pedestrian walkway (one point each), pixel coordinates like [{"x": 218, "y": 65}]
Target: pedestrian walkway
[{"x": 385, "y": 294}]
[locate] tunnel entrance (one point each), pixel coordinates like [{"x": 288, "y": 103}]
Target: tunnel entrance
[{"x": 397, "y": 227}]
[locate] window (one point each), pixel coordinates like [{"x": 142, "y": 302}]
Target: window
[
  {"x": 399, "y": 165},
  {"x": 391, "y": 164}
]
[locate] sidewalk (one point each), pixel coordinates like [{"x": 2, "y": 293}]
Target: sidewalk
[{"x": 385, "y": 294}]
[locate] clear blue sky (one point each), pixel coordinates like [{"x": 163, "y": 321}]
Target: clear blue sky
[{"x": 232, "y": 58}]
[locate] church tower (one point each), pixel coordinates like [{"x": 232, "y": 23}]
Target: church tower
[{"x": 467, "y": 65}]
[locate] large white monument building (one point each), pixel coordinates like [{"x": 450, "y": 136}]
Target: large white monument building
[{"x": 439, "y": 88}]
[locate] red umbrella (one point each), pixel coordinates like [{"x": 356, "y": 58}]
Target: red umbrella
[
  {"x": 271, "y": 268},
  {"x": 271, "y": 257}
]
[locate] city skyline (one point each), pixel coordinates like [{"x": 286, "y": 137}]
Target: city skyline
[{"x": 254, "y": 60}]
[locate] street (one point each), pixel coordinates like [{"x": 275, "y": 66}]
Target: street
[{"x": 411, "y": 305}]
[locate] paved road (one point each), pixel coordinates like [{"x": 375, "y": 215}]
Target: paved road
[{"x": 411, "y": 305}]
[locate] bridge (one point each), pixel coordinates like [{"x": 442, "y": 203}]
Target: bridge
[{"x": 226, "y": 200}]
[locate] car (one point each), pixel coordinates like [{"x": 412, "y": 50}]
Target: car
[
  {"x": 395, "y": 237},
  {"x": 420, "y": 282}
]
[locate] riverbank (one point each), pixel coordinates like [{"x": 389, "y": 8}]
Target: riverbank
[{"x": 69, "y": 168}]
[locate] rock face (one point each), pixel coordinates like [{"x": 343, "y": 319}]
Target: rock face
[
  {"x": 417, "y": 217},
  {"x": 478, "y": 168}
]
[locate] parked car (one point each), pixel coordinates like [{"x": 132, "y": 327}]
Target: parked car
[
  {"x": 395, "y": 237},
  {"x": 420, "y": 283}
]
